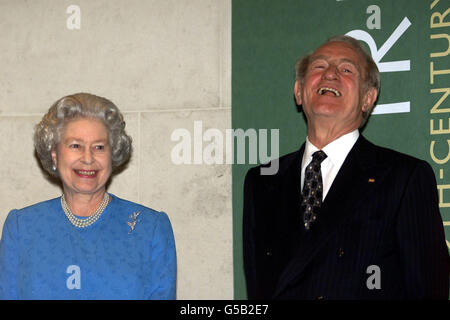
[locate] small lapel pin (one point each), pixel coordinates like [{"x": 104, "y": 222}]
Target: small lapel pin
[
  {"x": 133, "y": 221},
  {"x": 371, "y": 180}
]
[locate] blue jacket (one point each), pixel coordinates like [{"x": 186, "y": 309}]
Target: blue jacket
[{"x": 43, "y": 256}]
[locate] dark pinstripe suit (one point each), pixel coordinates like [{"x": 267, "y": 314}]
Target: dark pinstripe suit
[{"x": 382, "y": 209}]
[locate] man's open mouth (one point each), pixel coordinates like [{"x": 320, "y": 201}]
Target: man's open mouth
[{"x": 324, "y": 90}]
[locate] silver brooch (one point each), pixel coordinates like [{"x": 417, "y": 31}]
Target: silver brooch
[{"x": 133, "y": 221}]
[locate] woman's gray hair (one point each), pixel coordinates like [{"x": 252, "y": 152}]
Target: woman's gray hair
[
  {"x": 48, "y": 132},
  {"x": 371, "y": 76}
]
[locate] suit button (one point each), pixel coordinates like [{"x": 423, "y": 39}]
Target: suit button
[{"x": 340, "y": 252}]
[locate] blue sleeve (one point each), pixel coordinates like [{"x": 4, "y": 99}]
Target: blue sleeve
[
  {"x": 163, "y": 262},
  {"x": 9, "y": 258}
]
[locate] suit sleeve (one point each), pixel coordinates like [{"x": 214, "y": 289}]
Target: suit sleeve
[
  {"x": 248, "y": 228},
  {"x": 421, "y": 239},
  {"x": 9, "y": 258}
]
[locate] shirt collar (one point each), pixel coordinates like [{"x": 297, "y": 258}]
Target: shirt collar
[{"x": 336, "y": 150}]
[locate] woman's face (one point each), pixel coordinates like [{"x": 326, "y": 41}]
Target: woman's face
[{"x": 83, "y": 157}]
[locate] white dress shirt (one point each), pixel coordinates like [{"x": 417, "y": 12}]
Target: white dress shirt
[{"x": 336, "y": 152}]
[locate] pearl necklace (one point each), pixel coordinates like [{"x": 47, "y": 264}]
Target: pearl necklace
[{"x": 82, "y": 223}]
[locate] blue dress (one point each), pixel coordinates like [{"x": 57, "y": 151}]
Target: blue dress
[{"x": 43, "y": 256}]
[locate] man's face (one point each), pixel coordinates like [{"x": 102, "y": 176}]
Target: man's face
[{"x": 333, "y": 88}]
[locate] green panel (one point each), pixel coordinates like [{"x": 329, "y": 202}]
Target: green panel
[{"x": 269, "y": 36}]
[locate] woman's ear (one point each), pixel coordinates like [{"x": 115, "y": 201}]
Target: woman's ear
[{"x": 54, "y": 159}]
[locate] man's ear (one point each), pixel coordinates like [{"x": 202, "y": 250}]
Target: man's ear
[
  {"x": 369, "y": 99},
  {"x": 298, "y": 92}
]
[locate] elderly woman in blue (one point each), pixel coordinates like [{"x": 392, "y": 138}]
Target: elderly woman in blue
[{"x": 86, "y": 244}]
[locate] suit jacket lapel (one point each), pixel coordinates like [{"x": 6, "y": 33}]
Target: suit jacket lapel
[
  {"x": 290, "y": 190},
  {"x": 352, "y": 179}
]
